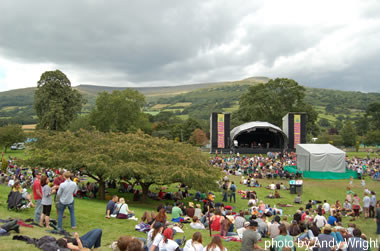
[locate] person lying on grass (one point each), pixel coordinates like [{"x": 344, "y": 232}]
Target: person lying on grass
[{"x": 92, "y": 239}]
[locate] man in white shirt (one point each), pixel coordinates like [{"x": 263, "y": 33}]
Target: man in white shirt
[
  {"x": 326, "y": 206},
  {"x": 366, "y": 202},
  {"x": 320, "y": 220},
  {"x": 272, "y": 186},
  {"x": 66, "y": 199}
]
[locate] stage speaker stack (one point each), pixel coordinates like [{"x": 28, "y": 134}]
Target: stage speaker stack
[
  {"x": 294, "y": 126},
  {"x": 220, "y": 132}
]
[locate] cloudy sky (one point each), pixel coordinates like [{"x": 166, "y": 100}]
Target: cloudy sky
[{"x": 328, "y": 44}]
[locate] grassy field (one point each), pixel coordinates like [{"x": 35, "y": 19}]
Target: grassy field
[
  {"x": 90, "y": 212},
  {"x": 19, "y": 154}
]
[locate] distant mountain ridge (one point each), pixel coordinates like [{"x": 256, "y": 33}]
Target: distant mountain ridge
[{"x": 16, "y": 106}]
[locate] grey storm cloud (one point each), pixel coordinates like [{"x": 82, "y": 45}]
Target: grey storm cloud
[{"x": 176, "y": 42}]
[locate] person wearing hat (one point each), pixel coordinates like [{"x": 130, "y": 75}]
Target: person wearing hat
[
  {"x": 155, "y": 236},
  {"x": 250, "y": 237},
  {"x": 190, "y": 210},
  {"x": 198, "y": 211},
  {"x": 66, "y": 199}
]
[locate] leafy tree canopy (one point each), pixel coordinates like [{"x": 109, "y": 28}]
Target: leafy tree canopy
[
  {"x": 11, "y": 134},
  {"x": 198, "y": 138},
  {"x": 102, "y": 156},
  {"x": 373, "y": 114},
  {"x": 273, "y": 100},
  {"x": 55, "y": 102},
  {"x": 120, "y": 111},
  {"x": 348, "y": 134}
]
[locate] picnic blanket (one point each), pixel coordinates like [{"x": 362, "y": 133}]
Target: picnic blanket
[{"x": 229, "y": 238}]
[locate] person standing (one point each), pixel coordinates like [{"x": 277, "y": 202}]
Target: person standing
[
  {"x": 377, "y": 219},
  {"x": 66, "y": 199},
  {"x": 37, "y": 195},
  {"x": 57, "y": 182},
  {"x": 366, "y": 203},
  {"x": 233, "y": 192},
  {"x": 46, "y": 201},
  {"x": 372, "y": 205},
  {"x": 356, "y": 206}
]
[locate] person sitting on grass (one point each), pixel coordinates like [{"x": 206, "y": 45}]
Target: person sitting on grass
[
  {"x": 215, "y": 245},
  {"x": 216, "y": 220},
  {"x": 161, "y": 216},
  {"x": 167, "y": 242},
  {"x": 25, "y": 195},
  {"x": 283, "y": 240},
  {"x": 92, "y": 239},
  {"x": 154, "y": 237},
  {"x": 196, "y": 224},
  {"x": 298, "y": 199},
  {"x": 276, "y": 194},
  {"x": 195, "y": 243},
  {"x": 123, "y": 210},
  {"x": 149, "y": 218},
  {"x": 177, "y": 213},
  {"x": 111, "y": 206}
]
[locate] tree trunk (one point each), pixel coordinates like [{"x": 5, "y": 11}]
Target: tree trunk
[
  {"x": 145, "y": 189},
  {"x": 102, "y": 190}
]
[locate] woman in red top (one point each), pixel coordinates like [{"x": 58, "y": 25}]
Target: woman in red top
[{"x": 216, "y": 220}]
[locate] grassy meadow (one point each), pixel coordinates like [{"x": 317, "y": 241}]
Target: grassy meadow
[{"x": 90, "y": 212}]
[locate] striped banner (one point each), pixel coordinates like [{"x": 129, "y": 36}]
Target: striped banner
[
  {"x": 220, "y": 130},
  {"x": 297, "y": 130}
]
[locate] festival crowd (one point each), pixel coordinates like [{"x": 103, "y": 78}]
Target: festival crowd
[{"x": 313, "y": 224}]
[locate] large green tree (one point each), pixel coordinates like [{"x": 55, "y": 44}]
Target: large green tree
[
  {"x": 273, "y": 100},
  {"x": 11, "y": 134},
  {"x": 55, "y": 102},
  {"x": 373, "y": 137},
  {"x": 120, "y": 111},
  {"x": 103, "y": 156},
  {"x": 348, "y": 134},
  {"x": 373, "y": 115}
]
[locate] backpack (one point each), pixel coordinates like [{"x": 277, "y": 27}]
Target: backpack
[{"x": 233, "y": 188}]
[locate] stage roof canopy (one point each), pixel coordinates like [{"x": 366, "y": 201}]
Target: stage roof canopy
[
  {"x": 320, "y": 158},
  {"x": 251, "y": 126}
]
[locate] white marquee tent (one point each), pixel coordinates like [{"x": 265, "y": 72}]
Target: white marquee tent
[{"x": 320, "y": 158}]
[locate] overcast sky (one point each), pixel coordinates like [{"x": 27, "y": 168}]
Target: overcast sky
[{"x": 329, "y": 44}]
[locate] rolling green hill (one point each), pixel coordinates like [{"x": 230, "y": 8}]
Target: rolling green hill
[{"x": 196, "y": 100}]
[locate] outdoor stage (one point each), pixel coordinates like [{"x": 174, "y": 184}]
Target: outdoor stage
[{"x": 243, "y": 150}]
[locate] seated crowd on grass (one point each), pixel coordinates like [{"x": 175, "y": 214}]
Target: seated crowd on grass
[{"x": 315, "y": 222}]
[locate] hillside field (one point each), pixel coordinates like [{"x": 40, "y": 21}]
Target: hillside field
[{"x": 195, "y": 101}]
